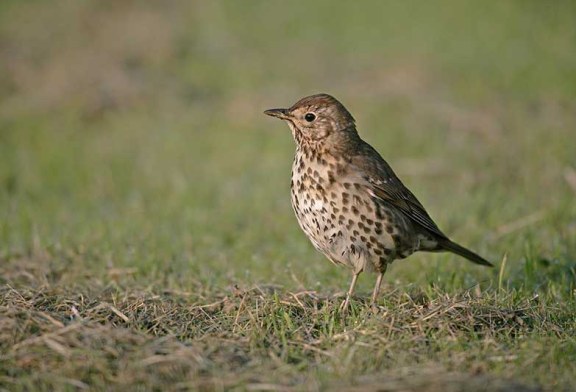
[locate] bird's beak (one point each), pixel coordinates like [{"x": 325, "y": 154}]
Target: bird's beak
[{"x": 278, "y": 113}]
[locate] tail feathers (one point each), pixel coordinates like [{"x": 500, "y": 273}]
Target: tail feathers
[{"x": 462, "y": 251}]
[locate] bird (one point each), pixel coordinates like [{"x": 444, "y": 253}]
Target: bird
[{"x": 348, "y": 200}]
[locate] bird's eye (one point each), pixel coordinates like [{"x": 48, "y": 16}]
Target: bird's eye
[{"x": 310, "y": 117}]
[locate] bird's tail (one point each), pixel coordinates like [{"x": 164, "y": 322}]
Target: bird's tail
[{"x": 466, "y": 253}]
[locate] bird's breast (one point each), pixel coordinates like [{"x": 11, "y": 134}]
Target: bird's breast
[
  {"x": 310, "y": 187},
  {"x": 342, "y": 218}
]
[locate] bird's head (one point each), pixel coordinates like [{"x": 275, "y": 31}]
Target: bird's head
[{"x": 316, "y": 120}]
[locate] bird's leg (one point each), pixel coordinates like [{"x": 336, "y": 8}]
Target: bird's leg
[
  {"x": 376, "y": 289},
  {"x": 377, "y": 286},
  {"x": 344, "y": 305}
]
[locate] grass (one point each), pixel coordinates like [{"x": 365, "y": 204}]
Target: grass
[
  {"x": 146, "y": 237},
  {"x": 260, "y": 337}
]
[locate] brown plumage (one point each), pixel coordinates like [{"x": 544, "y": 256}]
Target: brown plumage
[{"x": 348, "y": 201}]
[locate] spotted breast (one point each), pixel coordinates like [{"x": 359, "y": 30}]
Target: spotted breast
[{"x": 339, "y": 217}]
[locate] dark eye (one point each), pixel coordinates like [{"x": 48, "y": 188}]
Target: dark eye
[{"x": 310, "y": 117}]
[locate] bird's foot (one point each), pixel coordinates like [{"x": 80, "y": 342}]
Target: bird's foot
[
  {"x": 377, "y": 308},
  {"x": 344, "y": 306}
]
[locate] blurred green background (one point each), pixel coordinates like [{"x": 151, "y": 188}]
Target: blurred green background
[{"x": 132, "y": 134}]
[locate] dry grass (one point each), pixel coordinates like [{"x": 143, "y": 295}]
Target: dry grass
[{"x": 263, "y": 338}]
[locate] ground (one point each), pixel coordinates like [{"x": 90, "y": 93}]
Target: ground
[{"x": 146, "y": 235}]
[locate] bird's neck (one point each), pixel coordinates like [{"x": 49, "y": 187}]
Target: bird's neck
[{"x": 338, "y": 144}]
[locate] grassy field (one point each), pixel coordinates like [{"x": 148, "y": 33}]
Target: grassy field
[{"x": 146, "y": 236}]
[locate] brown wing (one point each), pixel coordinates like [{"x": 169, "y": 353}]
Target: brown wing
[{"x": 387, "y": 186}]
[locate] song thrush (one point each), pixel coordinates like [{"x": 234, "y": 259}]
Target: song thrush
[{"x": 349, "y": 202}]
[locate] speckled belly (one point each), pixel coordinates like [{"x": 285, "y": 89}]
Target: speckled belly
[{"x": 344, "y": 223}]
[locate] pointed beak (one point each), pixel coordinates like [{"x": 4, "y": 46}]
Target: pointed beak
[{"x": 278, "y": 113}]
